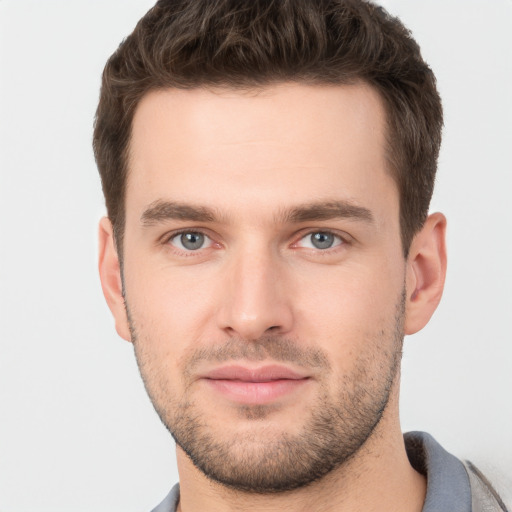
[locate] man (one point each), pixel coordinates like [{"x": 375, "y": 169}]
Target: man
[{"x": 267, "y": 168}]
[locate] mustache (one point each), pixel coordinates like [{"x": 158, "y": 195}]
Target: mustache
[{"x": 275, "y": 348}]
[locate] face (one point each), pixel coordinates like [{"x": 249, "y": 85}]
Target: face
[{"x": 264, "y": 276}]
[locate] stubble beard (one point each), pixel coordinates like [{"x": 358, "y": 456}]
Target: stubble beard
[{"x": 267, "y": 460}]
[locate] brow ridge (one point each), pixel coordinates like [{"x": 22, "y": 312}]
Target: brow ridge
[
  {"x": 327, "y": 210},
  {"x": 162, "y": 210}
]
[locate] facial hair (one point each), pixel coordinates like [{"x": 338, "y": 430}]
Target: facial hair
[{"x": 269, "y": 460}]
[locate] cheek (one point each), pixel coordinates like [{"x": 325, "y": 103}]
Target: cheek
[
  {"x": 346, "y": 309},
  {"x": 171, "y": 308},
  {"x": 165, "y": 314}
]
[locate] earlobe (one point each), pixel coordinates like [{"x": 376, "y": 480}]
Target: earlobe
[
  {"x": 110, "y": 277},
  {"x": 426, "y": 271}
]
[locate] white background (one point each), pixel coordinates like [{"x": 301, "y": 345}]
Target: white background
[{"x": 77, "y": 432}]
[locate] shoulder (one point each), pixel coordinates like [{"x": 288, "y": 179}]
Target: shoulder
[
  {"x": 484, "y": 497},
  {"x": 170, "y": 502},
  {"x": 453, "y": 484}
]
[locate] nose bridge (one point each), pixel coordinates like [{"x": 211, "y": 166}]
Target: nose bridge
[{"x": 256, "y": 299}]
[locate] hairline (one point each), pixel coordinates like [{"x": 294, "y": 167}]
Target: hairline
[{"x": 392, "y": 166}]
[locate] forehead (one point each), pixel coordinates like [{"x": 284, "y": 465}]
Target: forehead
[{"x": 268, "y": 147}]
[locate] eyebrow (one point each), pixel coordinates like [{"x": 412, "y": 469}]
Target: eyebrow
[
  {"x": 327, "y": 210},
  {"x": 161, "y": 211}
]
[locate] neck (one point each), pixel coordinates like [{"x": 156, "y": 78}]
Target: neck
[{"x": 378, "y": 477}]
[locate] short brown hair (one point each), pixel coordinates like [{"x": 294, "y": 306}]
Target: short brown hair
[{"x": 252, "y": 43}]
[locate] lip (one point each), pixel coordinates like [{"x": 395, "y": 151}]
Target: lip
[
  {"x": 262, "y": 374},
  {"x": 261, "y": 385}
]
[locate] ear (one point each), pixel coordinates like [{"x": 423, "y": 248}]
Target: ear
[
  {"x": 426, "y": 271},
  {"x": 110, "y": 277}
]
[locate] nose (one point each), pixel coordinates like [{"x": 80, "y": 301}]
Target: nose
[{"x": 255, "y": 299}]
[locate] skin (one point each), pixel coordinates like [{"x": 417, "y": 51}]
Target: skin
[{"x": 252, "y": 159}]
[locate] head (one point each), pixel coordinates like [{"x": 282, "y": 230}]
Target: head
[
  {"x": 185, "y": 45},
  {"x": 267, "y": 168}
]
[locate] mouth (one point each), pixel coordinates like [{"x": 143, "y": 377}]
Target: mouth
[{"x": 255, "y": 386}]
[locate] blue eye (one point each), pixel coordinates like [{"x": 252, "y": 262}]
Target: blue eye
[
  {"x": 321, "y": 240},
  {"x": 190, "y": 241}
]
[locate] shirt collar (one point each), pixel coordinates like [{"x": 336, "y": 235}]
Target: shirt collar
[{"x": 447, "y": 480}]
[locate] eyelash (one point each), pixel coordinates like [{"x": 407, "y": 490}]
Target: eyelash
[
  {"x": 344, "y": 240},
  {"x": 166, "y": 240},
  {"x": 341, "y": 240}
]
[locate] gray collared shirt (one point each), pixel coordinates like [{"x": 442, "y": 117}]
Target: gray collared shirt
[{"x": 448, "y": 487}]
